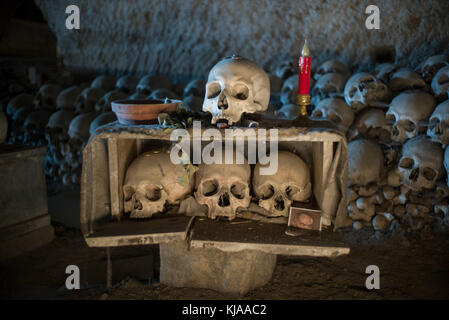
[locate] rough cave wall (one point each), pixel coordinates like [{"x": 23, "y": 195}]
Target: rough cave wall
[{"x": 186, "y": 37}]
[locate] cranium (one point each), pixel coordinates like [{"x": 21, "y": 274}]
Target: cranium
[
  {"x": 104, "y": 104},
  {"x": 290, "y": 183},
  {"x": 161, "y": 94},
  {"x": 67, "y": 97},
  {"x": 332, "y": 66},
  {"x": 223, "y": 188},
  {"x": 101, "y": 120},
  {"x": 87, "y": 99},
  {"x": 365, "y": 162},
  {"x": 289, "y": 90},
  {"x": 285, "y": 68},
  {"x": 235, "y": 86},
  {"x": 150, "y": 83},
  {"x": 409, "y": 113},
  {"x": 35, "y": 127},
  {"x": 404, "y": 79},
  {"x": 371, "y": 123},
  {"x": 438, "y": 129},
  {"x": 18, "y": 119},
  {"x": 195, "y": 88},
  {"x": 384, "y": 71},
  {"x": 45, "y": 98},
  {"x": 151, "y": 181},
  {"x": 288, "y": 111},
  {"x": 365, "y": 90},
  {"x": 18, "y": 102},
  {"x": 127, "y": 84},
  {"x": 431, "y": 66},
  {"x": 58, "y": 126},
  {"x": 421, "y": 163},
  {"x": 3, "y": 127},
  {"x": 335, "y": 110},
  {"x": 440, "y": 84},
  {"x": 79, "y": 134},
  {"x": 105, "y": 82},
  {"x": 328, "y": 85}
]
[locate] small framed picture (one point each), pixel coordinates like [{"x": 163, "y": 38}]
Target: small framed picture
[{"x": 304, "y": 218}]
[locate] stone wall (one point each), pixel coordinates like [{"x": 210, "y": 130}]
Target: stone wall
[{"x": 186, "y": 37}]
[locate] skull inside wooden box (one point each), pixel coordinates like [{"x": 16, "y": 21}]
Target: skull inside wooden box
[{"x": 154, "y": 183}]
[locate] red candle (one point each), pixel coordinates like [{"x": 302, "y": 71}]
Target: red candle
[{"x": 305, "y": 62}]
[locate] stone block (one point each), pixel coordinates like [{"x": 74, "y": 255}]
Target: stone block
[{"x": 233, "y": 273}]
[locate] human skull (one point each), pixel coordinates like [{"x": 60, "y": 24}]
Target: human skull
[
  {"x": 149, "y": 83},
  {"x": 332, "y": 66},
  {"x": 101, "y": 120},
  {"x": 421, "y": 163},
  {"x": 286, "y": 67},
  {"x": 289, "y": 90},
  {"x": 151, "y": 181},
  {"x": 446, "y": 164},
  {"x": 335, "y": 110},
  {"x": 45, "y": 98},
  {"x": 370, "y": 123},
  {"x": 235, "y": 86},
  {"x": 195, "y": 88},
  {"x": 127, "y": 84},
  {"x": 431, "y": 66},
  {"x": 384, "y": 71},
  {"x": 409, "y": 113},
  {"x": 18, "y": 102},
  {"x": 87, "y": 99},
  {"x": 438, "y": 129},
  {"x": 67, "y": 97},
  {"x": 104, "y": 104},
  {"x": 440, "y": 84},
  {"x": 365, "y": 162},
  {"x": 328, "y": 85},
  {"x": 34, "y": 126},
  {"x": 365, "y": 90},
  {"x": 223, "y": 188},
  {"x": 58, "y": 126},
  {"x": 404, "y": 79},
  {"x": 3, "y": 127},
  {"x": 288, "y": 111},
  {"x": 161, "y": 94},
  {"x": 290, "y": 183},
  {"x": 17, "y": 132},
  {"x": 193, "y": 103},
  {"x": 105, "y": 82},
  {"x": 79, "y": 134}
]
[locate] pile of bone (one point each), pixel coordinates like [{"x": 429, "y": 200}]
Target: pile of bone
[
  {"x": 397, "y": 124},
  {"x": 63, "y": 119}
]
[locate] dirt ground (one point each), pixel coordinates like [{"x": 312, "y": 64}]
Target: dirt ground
[{"x": 412, "y": 267}]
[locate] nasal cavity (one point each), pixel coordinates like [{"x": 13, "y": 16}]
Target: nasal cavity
[
  {"x": 414, "y": 174},
  {"x": 223, "y": 200},
  {"x": 222, "y": 102},
  {"x": 279, "y": 203}
]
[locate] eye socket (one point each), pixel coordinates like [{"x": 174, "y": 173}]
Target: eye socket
[
  {"x": 210, "y": 188},
  {"x": 128, "y": 192},
  {"x": 409, "y": 126},
  {"x": 153, "y": 193},
  {"x": 266, "y": 192},
  {"x": 429, "y": 173},
  {"x": 213, "y": 90},
  {"x": 317, "y": 114},
  {"x": 390, "y": 119},
  {"x": 238, "y": 190},
  {"x": 292, "y": 191},
  {"x": 352, "y": 92},
  {"x": 240, "y": 91},
  {"x": 406, "y": 163}
]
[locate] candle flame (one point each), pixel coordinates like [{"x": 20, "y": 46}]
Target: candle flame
[{"x": 305, "y": 50}]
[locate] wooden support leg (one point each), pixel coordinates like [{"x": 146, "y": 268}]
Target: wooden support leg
[{"x": 108, "y": 269}]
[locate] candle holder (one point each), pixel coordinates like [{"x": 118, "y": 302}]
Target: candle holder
[{"x": 303, "y": 100}]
